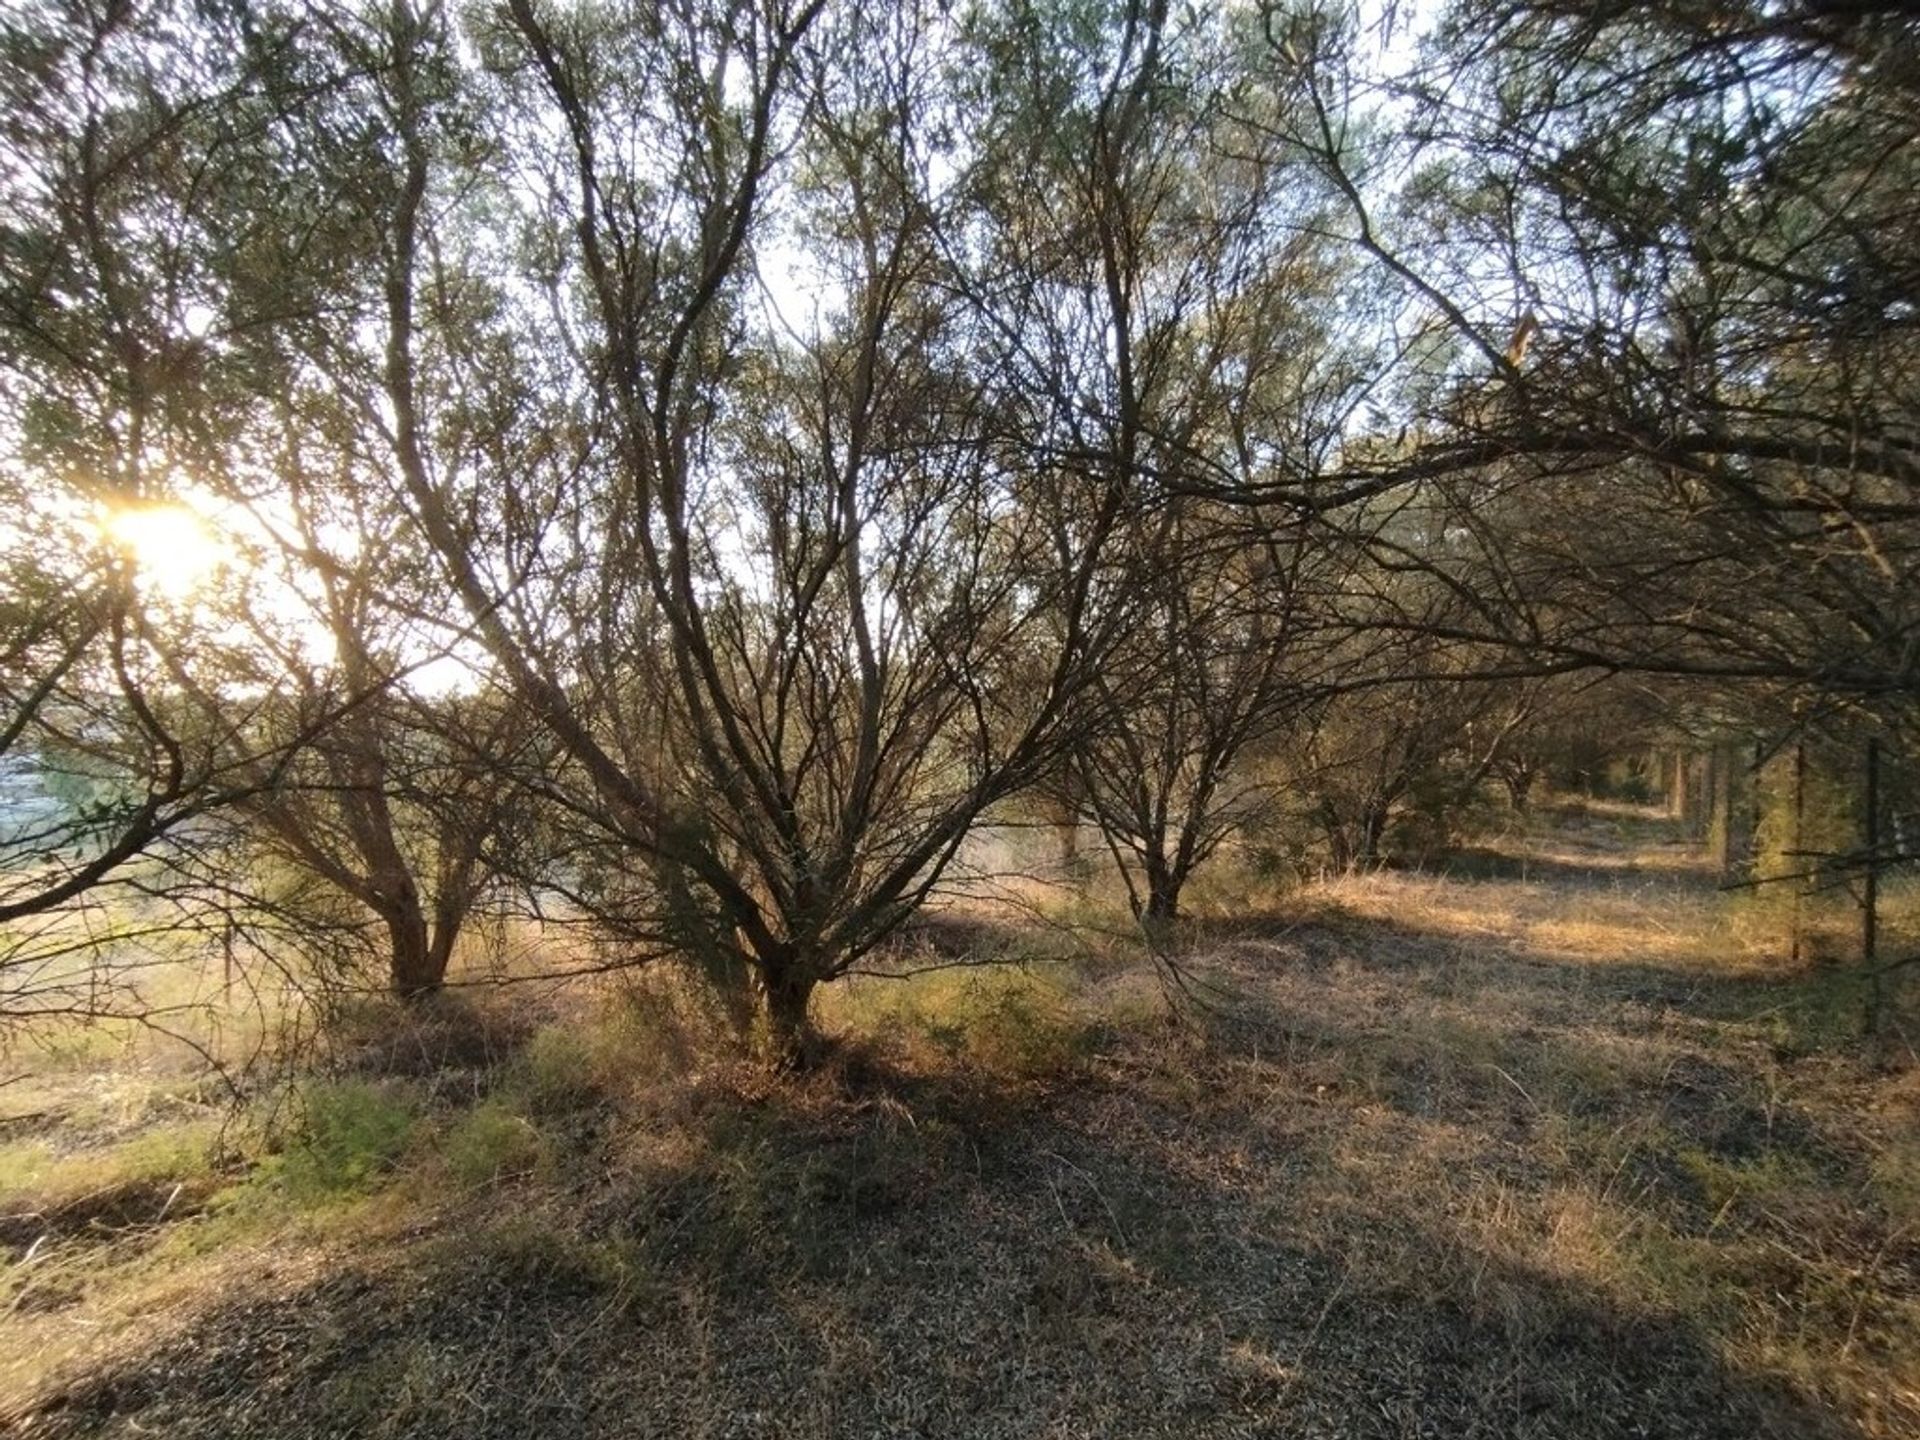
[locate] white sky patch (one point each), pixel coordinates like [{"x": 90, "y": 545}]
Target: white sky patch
[
  {"x": 794, "y": 288},
  {"x": 457, "y": 672}
]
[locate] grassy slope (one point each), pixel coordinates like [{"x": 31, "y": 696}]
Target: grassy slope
[{"x": 1550, "y": 1147}]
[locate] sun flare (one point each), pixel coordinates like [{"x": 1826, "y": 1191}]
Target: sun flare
[{"x": 170, "y": 545}]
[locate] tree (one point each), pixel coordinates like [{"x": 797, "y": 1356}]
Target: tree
[
  {"x": 1163, "y": 293},
  {"x": 398, "y": 803},
  {"x": 124, "y": 125},
  {"x": 1676, "y": 299},
  {"x": 797, "y": 614},
  {"x": 1233, "y": 630}
]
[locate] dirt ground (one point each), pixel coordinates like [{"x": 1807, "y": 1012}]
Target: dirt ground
[{"x": 1552, "y": 1144}]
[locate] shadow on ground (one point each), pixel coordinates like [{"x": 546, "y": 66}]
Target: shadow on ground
[
  {"x": 1113, "y": 1260},
  {"x": 1399, "y": 1187}
]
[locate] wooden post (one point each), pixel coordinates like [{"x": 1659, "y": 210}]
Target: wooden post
[
  {"x": 1727, "y": 765},
  {"x": 1870, "y": 895},
  {"x": 1709, "y": 793},
  {"x": 1798, "y": 859}
]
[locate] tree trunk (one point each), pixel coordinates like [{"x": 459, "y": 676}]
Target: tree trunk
[
  {"x": 786, "y": 989},
  {"x": 417, "y": 965},
  {"x": 1339, "y": 842},
  {"x": 1519, "y": 781},
  {"x": 1163, "y": 898},
  {"x": 1700, "y": 797},
  {"x": 1163, "y": 887},
  {"x": 1721, "y": 827},
  {"x": 1796, "y": 856},
  {"x": 1373, "y": 830},
  {"x": 1065, "y": 820}
]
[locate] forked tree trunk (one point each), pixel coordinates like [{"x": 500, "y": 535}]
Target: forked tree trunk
[
  {"x": 417, "y": 964},
  {"x": 786, "y": 991},
  {"x": 1373, "y": 830},
  {"x": 1163, "y": 889}
]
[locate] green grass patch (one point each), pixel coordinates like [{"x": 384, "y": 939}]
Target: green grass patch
[
  {"x": 33, "y": 1171},
  {"x": 1012, "y": 1021},
  {"x": 559, "y": 1069},
  {"x": 354, "y": 1133},
  {"x": 1728, "y": 1183},
  {"x": 490, "y": 1144}
]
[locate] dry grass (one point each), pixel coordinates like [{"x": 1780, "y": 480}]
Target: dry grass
[{"x": 1554, "y": 1145}]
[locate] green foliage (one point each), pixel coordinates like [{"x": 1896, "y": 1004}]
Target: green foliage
[
  {"x": 1440, "y": 810},
  {"x": 89, "y": 789},
  {"x": 663, "y": 1022},
  {"x": 1017, "y": 1023},
  {"x": 1726, "y": 1182},
  {"x": 1007, "y": 1019},
  {"x": 492, "y": 1143},
  {"x": 559, "y": 1068},
  {"x": 354, "y": 1133},
  {"x": 1895, "y": 1176}
]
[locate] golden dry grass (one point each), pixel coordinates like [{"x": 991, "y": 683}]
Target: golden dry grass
[{"x": 1553, "y": 1145}]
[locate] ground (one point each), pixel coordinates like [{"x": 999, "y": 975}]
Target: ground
[{"x": 1553, "y": 1143}]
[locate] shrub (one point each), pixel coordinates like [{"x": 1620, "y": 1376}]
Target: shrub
[
  {"x": 558, "y": 1069},
  {"x": 491, "y": 1144},
  {"x": 1018, "y": 1024},
  {"x": 354, "y": 1132}
]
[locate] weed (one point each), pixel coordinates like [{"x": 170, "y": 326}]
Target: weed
[
  {"x": 1020, "y": 1025},
  {"x": 1011, "y": 1021},
  {"x": 660, "y": 1022},
  {"x": 354, "y": 1132},
  {"x": 558, "y": 1069},
  {"x": 1729, "y": 1184},
  {"x": 1895, "y": 1177},
  {"x": 490, "y": 1144}
]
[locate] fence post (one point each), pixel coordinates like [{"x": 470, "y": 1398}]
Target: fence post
[
  {"x": 1797, "y": 856},
  {"x": 1870, "y": 902}
]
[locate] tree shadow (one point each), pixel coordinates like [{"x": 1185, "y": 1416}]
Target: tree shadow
[
  {"x": 1121, "y": 1261},
  {"x": 1333, "y": 1213}
]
